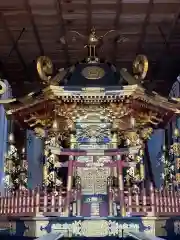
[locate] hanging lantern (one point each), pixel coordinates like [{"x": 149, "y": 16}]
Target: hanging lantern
[
  {"x": 23, "y": 150},
  {"x": 11, "y": 138},
  {"x": 132, "y": 121},
  {"x": 55, "y": 125},
  {"x": 176, "y": 132}
]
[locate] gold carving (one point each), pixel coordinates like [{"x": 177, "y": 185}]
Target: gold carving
[
  {"x": 132, "y": 137},
  {"x": 150, "y": 117},
  {"x": 178, "y": 177},
  {"x": 93, "y": 180},
  {"x": 176, "y": 149},
  {"x": 178, "y": 163},
  {"x": 92, "y": 41},
  {"x": 98, "y": 228},
  {"x": 40, "y": 132},
  {"x": 93, "y": 72},
  {"x": 44, "y": 68},
  {"x": 140, "y": 67},
  {"x": 146, "y": 133}
]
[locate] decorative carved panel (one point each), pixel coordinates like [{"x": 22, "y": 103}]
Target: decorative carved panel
[{"x": 94, "y": 181}]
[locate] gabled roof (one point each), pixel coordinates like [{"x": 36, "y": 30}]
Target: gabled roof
[
  {"x": 38, "y": 110},
  {"x": 92, "y": 95}
]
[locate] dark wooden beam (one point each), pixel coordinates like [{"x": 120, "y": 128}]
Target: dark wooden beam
[
  {"x": 14, "y": 43},
  {"x": 173, "y": 25},
  {"x": 166, "y": 43},
  {"x": 167, "y": 39},
  {"x": 58, "y": 6},
  {"x": 3, "y": 71},
  {"x": 11, "y": 39},
  {"x": 144, "y": 26},
  {"x": 89, "y": 16},
  {"x": 116, "y": 26},
  {"x": 36, "y": 33}
]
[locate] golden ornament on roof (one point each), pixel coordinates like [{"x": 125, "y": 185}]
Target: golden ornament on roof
[
  {"x": 93, "y": 39},
  {"x": 44, "y": 68},
  {"x": 140, "y": 67},
  {"x": 93, "y": 72}
]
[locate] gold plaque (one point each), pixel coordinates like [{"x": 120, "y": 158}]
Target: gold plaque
[
  {"x": 98, "y": 228},
  {"x": 93, "y": 72}
]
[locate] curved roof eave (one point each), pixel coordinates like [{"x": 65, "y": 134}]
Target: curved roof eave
[{"x": 56, "y": 92}]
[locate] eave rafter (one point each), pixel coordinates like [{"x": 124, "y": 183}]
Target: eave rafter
[
  {"x": 167, "y": 38},
  {"x": 58, "y": 6},
  {"x": 42, "y": 114},
  {"x": 89, "y": 16},
  {"x": 116, "y": 26},
  {"x": 14, "y": 44},
  {"x": 171, "y": 30},
  {"x": 35, "y": 30},
  {"x": 173, "y": 25},
  {"x": 145, "y": 24}
]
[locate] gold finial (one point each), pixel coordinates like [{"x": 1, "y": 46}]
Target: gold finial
[{"x": 93, "y": 41}]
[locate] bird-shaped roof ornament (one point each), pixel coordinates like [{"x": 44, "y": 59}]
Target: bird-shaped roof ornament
[{"x": 93, "y": 42}]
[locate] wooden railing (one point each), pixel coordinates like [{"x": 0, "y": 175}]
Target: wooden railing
[
  {"x": 37, "y": 202},
  {"x": 32, "y": 202},
  {"x": 153, "y": 203}
]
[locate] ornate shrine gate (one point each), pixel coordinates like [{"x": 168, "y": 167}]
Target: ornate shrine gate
[
  {"x": 94, "y": 190},
  {"x": 93, "y": 135}
]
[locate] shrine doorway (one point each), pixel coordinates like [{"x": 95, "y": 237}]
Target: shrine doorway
[
  {"x": 94, "y": 191},
  {"x": 93, "y": 180}
]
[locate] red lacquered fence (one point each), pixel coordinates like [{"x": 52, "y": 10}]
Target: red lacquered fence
[
  {"x": 38, "y": 202},
  {"x": 154, "y": 203},
  {"x": 32, "y": 202}
]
